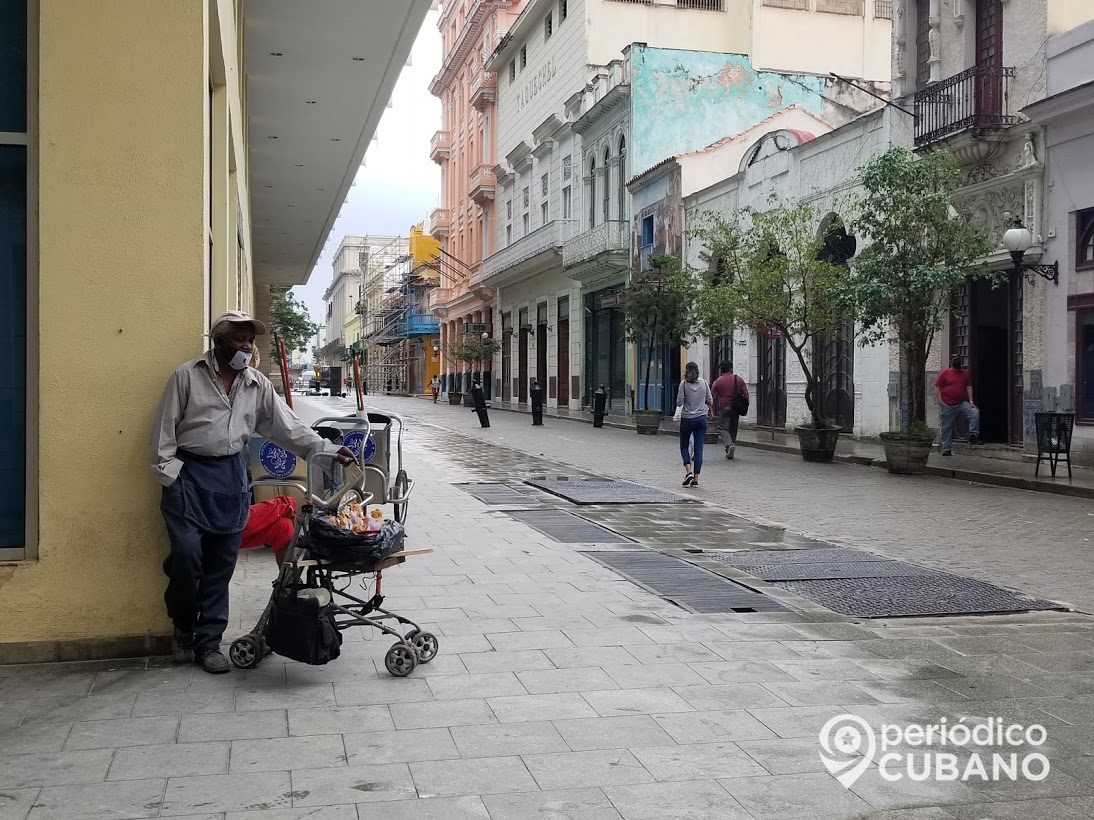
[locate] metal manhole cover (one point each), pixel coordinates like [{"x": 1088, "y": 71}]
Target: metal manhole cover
[
  {"x": 797, "y": 571},
  {"x": 604, "y": 491},
  {"x": 824, "y": 555},
  {"x": 568, "y": 528},
  {"x": 910, "y": 595},
  {"x": 498, "y": 495},
  {"x": 689, "y": 586}
]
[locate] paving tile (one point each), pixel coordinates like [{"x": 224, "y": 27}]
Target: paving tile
[
  {"x": 650, "y": 675},
  {"x": 582, "y": 656},
  {"x": 890, "y": 669},
  {"x": 486, "y": 685},
  {"x": 15, "y": 803},
  {"x": 507, "y": 739},
  {"x": 345, "y": 812},
  {"x": 353, "y": 784},
  {"x": 554, "y": 681},
  {"x": 713, "y": 727},
  {"x": 696, "y": 761},
  {"x": 833, "y": 632},
  {"x": 820, "y": 693},
  {"x": 562, "y": 706},
  {"x": 576, "y": 770},
  {"x": 794, "y": 721},
  {"x": 932, "y": 813},
  {"x": 54, "y": 769},
  {"x": 759, "y": 632},
  {"x": 283, "y": 753},
  {"x": 900, "y": 691},
  {"x": 698, "y": 800},
  {"x": 437, "y": 808},
  {"x": 157, "y": 679},
  {"x": 545, "y": 639},
  {"x": 993, "y": 688},
  {"x": 515, "y": 661},
  {"x": 729, "y": 696},
  {"x": 826, "y": 670},
  {"x": 226, "y": 793},
  {"x": 233, "y": 726},
  {"x": 99, "y": 801},
  {"x": 435, "y": 714},
  {"x": 383, "y": 691},
  {"x": 568, "y": 804},
  {"x": 1055, "y": 662},
  {"x": 170, "y": 760},
  {"x": 49, "y": 737},
  {"x": 750, "y": 650},
  {"x": 477, "y": 776},
  {"x": 793, "y": 755},
  {"x": 44, "y": 685},
  {"x": 443, "y": 665},
  {"x": 610, "y": 636},
  {"x": 181, "y": 702},
  {"x": 460, "y": 644},
  {"x": 402, "y": 746},
  {"x": 588, "y": 734},
  {"x": 729, "y": 672},
  {"x": 1047, "y": 809},
  {"x": 905, "y": 794},
  {"x": 108, "y": 734},
  {"x": 67, "y": 710},
  {"x": 339, "y": 720},
  {"x": 673, "y": 653},
  {"x": 636, "y": 702},
  {"x": 13, "y": 711},
  {"x": 286, "y": 697},
  {"x": 794, "y": 797}
]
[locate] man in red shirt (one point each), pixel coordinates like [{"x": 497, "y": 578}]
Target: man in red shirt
[
  {"x": 953, "y": 389},
  {"x": 725, "y": 390}
]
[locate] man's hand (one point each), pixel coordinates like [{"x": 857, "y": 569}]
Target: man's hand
[{"x": 346, "y": 457}]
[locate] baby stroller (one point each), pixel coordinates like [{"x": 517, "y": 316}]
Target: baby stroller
[{"x": 311, "y": 603}]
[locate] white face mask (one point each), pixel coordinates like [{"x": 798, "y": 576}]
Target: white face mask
[{"x": 240, "y": 360}]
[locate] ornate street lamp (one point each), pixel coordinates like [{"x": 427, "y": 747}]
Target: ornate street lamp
[{"x": 1017, "y": 240}]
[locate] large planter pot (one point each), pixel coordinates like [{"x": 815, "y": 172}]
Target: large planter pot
[
  {"x": 906, "y": 453},
  {"x": 455, "y": 398},
  {"x": 468, "y": 401},
  {"x": 818, "y": 443},
  {"x": 648, "y": 422}
]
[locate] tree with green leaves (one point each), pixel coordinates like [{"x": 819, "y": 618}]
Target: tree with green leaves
[
  {"x": 290, "y": 322},
  {"x": 474, "y": 351},
  {"x": 921, "y": 249},
  {"x": 658, "y": 306},
  {"x": 772, "y": 270}
]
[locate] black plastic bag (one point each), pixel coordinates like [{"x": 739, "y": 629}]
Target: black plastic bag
[
  {"x": 302, "y": 630},
  {"x": 336, "y": 544}
]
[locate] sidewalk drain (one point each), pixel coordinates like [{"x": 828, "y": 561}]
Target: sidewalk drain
[
  {"x": 498, "y": 495},
  {"x": 567, "y": 528},
  {"x": 605, "y": 491},
  {"x": 688, "y": 586},
  {"x": 824, "y": 555}
]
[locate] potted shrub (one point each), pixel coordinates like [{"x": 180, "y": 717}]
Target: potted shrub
[
  {"x": 657, "y": 306},
  {"x": 920, "y": 250},
  {"x": 473, "y": 351},
  {"x": 773, "y": 273}
]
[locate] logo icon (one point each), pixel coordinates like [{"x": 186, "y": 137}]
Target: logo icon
[
  {"x": 847, "y": 747},
  {"x": 276, "y": 461},
  {"x": 364, "y": 450}
]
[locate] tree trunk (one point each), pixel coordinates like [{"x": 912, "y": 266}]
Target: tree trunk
[
  {"x": 810, "y": 392},
  {"x": 915, "y": 380},
  {"x": 649, "y": 364}
]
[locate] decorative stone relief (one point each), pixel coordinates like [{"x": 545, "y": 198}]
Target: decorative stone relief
[
  {"x": 934, "y": 40},
  {"x": 900, "y": 47},
  {"x": 985, "y": 171},
  {"x": 992, "y": 211}
]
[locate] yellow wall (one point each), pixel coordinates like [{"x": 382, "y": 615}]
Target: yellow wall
[
  {"x": 1064, "y": 15},
  {"x": 123, "y": 299}
]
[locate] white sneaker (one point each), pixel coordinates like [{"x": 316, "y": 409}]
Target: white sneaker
[{"x": 730, "y": 450}]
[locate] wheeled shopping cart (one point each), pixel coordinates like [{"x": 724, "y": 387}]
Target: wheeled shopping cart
[{"x": 314, "y": 597}]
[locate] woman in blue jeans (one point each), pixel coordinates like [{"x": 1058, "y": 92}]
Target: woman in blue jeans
[{"x": 696, "y": 408}]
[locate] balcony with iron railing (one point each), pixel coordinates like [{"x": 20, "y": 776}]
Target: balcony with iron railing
[
  {"x": 440, "y": 146},
  {"x": 977, "y": 100},
  {"x": 440, "y": 222},
  {"x": 607, "y": 239},
  {"x": 483, "y": 184},
  {"x": 484, "y": 90},
  {"x": 524, "y": 252}
]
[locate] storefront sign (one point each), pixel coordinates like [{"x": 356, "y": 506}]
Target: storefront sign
[
  {"x": 609, "y": 300},
  {"x": 535, "y": 83}
]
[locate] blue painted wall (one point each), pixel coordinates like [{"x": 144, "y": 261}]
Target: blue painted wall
[{"x": 686, "y": 100}]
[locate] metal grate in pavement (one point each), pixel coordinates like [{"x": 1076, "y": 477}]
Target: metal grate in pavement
[
  {"x": 498, "y": 495},
  {"x": 567, "y": 527},
  {"x": 685, "y": 584},
  {"x": 605, "y": 491},
  {"x": 800, "y": 571},
  {"x": 827, "y": 555},
  {"x": 910, "y": 595}
]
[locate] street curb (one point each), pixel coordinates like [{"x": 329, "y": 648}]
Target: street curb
[{"x": 972, "y": 476}]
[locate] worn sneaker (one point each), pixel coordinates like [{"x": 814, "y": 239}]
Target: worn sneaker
[
  {"x": 182, "y": 646},
  {"x": 947, "y": 453},
  {"x": 730, "y": 450},
  {"x": 689, "y": 480},
  {"x": 213, "y": 661}
]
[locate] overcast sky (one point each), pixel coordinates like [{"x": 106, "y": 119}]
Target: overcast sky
[{"x": 399, "y": 184}]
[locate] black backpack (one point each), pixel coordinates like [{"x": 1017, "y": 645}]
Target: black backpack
[{"x": 740, "y": 398}]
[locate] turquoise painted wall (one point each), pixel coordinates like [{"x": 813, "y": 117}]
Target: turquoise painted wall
[{"x": 686, "y": 100}]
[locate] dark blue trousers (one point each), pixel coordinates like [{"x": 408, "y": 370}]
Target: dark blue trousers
[{"x": 205, "y": 511}]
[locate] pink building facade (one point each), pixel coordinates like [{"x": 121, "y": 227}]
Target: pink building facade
[{"x": 465, "y": 150}]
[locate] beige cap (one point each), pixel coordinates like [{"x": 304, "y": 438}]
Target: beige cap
[{"x": 238, "y": 317}]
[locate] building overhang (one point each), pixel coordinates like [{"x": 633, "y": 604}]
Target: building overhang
[
  {"x": 318, "y": 82},
  {"x": 603, "y": 107}
]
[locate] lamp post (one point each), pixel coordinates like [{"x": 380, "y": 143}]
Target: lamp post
[{"x": 1018, "y": 240}]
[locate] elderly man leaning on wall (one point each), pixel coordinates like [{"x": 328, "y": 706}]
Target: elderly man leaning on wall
[{"x": 211, "y": 407}]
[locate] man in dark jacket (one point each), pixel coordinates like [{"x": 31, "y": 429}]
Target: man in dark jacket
[{"x": 725, "y": 390}]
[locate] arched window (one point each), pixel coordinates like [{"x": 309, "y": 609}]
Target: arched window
[
  {"x": 621, "y": 206},
  {"x": 592, "y": 193},
  {"x": 607, "y": 186}
]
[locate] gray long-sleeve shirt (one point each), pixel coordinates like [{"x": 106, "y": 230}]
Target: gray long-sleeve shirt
[
  {"x": 694, "y": 398},
  {"x": 196, "y": 416}
]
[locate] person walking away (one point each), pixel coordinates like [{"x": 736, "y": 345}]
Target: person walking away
[
  {"x": 435, "y": 386},
  {"x": 953, "y": 389},
  {"x": 210, "y": 408},
  {"x": 696, "y": 407},
  {"x": 731, "y": 402}
]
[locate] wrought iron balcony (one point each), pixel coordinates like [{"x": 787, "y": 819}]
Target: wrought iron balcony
[
  {"x": 439, "y": 222},
  {"x": 977, "y": 99},
  {"x": 439, "y": 147},
  {"x": 608, "y": 238},
  {"x": 526, "y": 251},
  {"x": 483, "y": 184}
]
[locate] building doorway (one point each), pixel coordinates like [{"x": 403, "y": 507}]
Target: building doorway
[
  {"x": 562, "y": 352},
  {"x": 507, "y": 357},
  {"x": 834, "y": 354},
  {"x": 770, "y": 379},
  {"x": 541, "y": 349},
  {"x": 522, "y": 356},
  {"x": 606, "y": 349}
]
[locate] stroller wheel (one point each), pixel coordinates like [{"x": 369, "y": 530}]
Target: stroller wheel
[
  {"x": 426, "y": 644},
  {"x": 247, "y": 652},
  {"x": 399, "y": 490},
  {"x": 401, "y": 660}
]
